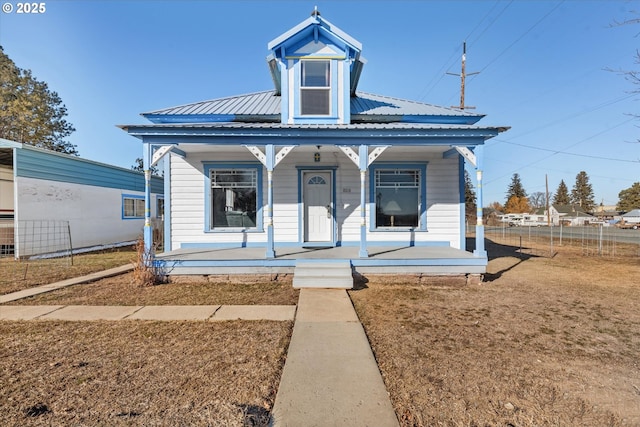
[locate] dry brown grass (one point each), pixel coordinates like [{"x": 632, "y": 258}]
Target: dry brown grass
[
  {"x": 544, "y": 341},
  {"x": 122, "y": 290},
  {"x": 19, "y": 275},
  {"x": 140, "y": 373}
]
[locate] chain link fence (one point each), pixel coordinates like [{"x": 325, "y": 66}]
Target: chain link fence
[{"x": 586, "y": 240}]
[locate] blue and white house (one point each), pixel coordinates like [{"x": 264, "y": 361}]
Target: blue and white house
[
  {"x": 316, "y": 169},
  {"x": 102, "y": 205}
]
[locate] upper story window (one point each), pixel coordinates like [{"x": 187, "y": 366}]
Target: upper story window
[{"x": 315, "y": 88}]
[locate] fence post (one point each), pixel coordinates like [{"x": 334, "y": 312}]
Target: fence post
[
  {"x": 70, "y": 244},
  {"x": 600, "y": 242}
]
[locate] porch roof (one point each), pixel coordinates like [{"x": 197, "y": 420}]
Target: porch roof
[{"x": 310, "y": 134}]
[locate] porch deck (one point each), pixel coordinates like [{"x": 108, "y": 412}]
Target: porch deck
[{"x": 382, "y": 259}]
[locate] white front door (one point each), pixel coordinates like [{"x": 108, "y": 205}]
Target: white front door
[{"x": 317, "y": 206}]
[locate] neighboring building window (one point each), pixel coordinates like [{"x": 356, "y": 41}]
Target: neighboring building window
[
  {"x": 160, "y": 207},
  {"x": 234, "y": 197},
  {"x": 315, "y": 88},
  {"x": 397, "y": 197},
  {"x": 132, "y": 207}
]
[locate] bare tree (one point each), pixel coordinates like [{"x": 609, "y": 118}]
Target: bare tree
[{"x": 538, "y": 200}]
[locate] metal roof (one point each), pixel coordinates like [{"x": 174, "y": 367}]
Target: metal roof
[
  {"x": 265, "y": 106},
  {"x": 253, "y": 104}
]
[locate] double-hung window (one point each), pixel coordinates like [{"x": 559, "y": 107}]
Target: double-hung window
[
  {"x": 132, "y": 207},
  {"x": 315, "y": 88},
  {"x": 398, "y": 195},
  {"x": 234, "y": 197}
]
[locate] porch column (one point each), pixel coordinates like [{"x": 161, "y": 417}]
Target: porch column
[
  {"x": 363, "y": 165},
  {"x": 148, "y": 230},
  {"x": 270, "y": 164},
  {"x": 479, "y": 251}
]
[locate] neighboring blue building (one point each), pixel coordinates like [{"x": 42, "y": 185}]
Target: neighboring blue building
[
  {"x": 102, "y": 204},
  {"x": 315, "y": 163}
]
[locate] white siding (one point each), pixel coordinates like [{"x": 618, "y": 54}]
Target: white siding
[
  {"x": 94, "y": 213},
  {"x": 188, "y": 197}
]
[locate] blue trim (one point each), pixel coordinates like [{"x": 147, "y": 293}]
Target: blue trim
[
  {"x": 237, "y": 245},
  {"x": 134, "y": 197},
  {"x": 224, "y": 245},
  {"x": 270, "y": 157},
  {"x": 189, "y": 118},
  {"x": 480, "y": 250},
  {"x": 169, "y": 264},
  {"x": 333, "y": 116},
  {"x": 422, "y": 167},
  {"x": 207, "y": 167},
  {"x": 304, "y": 136},
  {"x": 463, "y": 208},
  {"x": 168, "y": 245},
  {"x": 301, "y": 223},
  {"x": 363, "y": 160}
]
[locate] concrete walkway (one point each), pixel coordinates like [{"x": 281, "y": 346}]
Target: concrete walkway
[
  {"x": 330, "y": 377},
  {"x": 158, "y": 312},
  {"x": 161, "y": 313},
  {"x": 14, "y": 296}
]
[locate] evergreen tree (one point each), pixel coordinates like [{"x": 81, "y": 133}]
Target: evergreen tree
[
  {"x": 469, "y": 197},
  {"x": 629, "y": 199},
  {"x": 582, "y": 193},
  {"x": 29, "y": 112},
  {"x": 515, "y": 188},
  {"x": 562, "y": 195},
  {"x": 139, "y": 167}
]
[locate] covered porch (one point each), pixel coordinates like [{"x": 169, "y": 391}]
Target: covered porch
[{"x": 396, "y": 259}]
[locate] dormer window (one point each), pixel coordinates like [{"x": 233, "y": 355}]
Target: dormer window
[{"x": 315, "y": 88}]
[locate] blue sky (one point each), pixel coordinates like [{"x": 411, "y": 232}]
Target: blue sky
[{"x": 543, "y": 71}]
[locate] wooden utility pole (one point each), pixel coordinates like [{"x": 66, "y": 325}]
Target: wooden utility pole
[{"x": 463, "y": 75}]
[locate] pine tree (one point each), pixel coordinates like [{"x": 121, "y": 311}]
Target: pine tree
[
  {"x": 469, "y": 197},
  {"x": 562, "y": 195},
  {"x": 582, "y": 193},
  {"x": 29, "y": 112},
  {"x": 515, "y": 188},
  {"x": 629, "y": 199}
]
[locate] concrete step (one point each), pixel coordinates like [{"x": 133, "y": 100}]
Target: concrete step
[{"x": 336, "y": 275}]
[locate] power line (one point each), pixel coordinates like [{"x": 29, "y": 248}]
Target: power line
[
  {"x": 561, "y": 151},
  {"x": 570, "y": 116},
  {"x": 572, "y": 154},
  {"x": 451, "y": 61},
  {"x": 522, "y": 35}
]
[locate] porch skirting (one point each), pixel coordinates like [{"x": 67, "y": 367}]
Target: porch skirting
[{"x": 432, "y": 260}]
